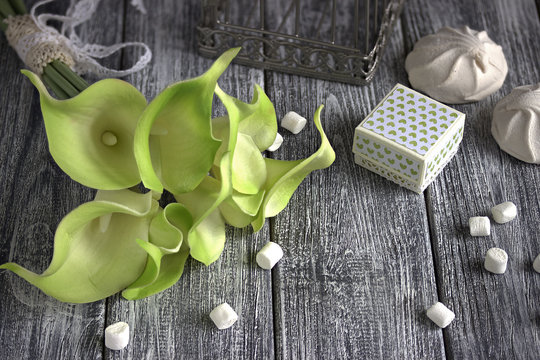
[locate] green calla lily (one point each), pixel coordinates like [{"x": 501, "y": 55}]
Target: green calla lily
[
  {"x": 281, "y": 178},
  {"x": 206, "y": 238},
  {"x": 248, "y": 166},
  {"x": 91, "y": 135},
  {"x": 167, "y": 252},
  {"x": 95, "y": 249},
  {"x": 182, "y": 114},
  {"x": 285, "y": 176}
]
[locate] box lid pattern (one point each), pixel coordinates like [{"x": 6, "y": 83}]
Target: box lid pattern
[{"x": 411, "y": 119}]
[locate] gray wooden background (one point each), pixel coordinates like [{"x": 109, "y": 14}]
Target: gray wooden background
[{"x": 364, "y": 258}]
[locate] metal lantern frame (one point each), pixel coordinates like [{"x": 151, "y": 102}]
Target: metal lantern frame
[{"x": 296, "y": 53}]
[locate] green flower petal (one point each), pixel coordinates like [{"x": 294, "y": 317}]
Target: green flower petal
[
  {"x": 91, "y": 135},
  {"x": 167, "y": 252},
  {"x": 257, "y": 119},
  {"x": 206, "y": 238},
  {"x": 248, "y": 167},
  {"x": 182, "y": 114},
  {"x": 220, "y": 130},
  {"x": 239, "y": 210},
  {"x": 94, "y": 259},
  {"x": 285, "y": 176}
]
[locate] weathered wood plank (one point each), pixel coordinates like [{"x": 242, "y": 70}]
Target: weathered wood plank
[
  {"x": 357, "y": 273},
  {"x": 175, "y": 324},
  {"x": 496, "y": 315},
  {"x": 35, "y": 195}
]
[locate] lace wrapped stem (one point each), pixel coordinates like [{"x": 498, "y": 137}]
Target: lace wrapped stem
[{"x": 59, "y": 56}]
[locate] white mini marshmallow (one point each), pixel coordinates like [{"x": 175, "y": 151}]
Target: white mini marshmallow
[
  {"x": 496, "y": 260},
  {"x": 536, "y": 264},
  {"x": 479, "y": 226},
  {"x": 277, "y": 143},
  {"x": 269, "y": 255},
  {"x": 504, "y": 212},
  {"x": 440, "y": 315},
  {"x": 223, "y": 316},
  {"x": 117, "y": 336},
  {"x": 293, "y": 122}
]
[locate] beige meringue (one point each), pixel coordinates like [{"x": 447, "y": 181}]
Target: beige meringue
[
  {"x": 516, "y": 123},
  {"x": 456, "y": 66}
]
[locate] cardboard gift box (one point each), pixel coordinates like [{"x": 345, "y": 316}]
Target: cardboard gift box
[{"x": 408, "y": 138}]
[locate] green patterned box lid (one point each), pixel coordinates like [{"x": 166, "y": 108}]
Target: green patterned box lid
[{"x": 411, "y": 119}]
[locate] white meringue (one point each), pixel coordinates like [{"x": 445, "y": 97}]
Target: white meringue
[
  {"x": 456, "y": 66},
  {"x": 516, "y": 123}
]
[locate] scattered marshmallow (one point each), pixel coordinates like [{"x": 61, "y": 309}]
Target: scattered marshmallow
[
  {"x": 293, "y": 122},
  {"x": 479, "y": 226},
  {"x": 117, "y": 336},
  {"x": 536, "y": 264},
  {"x": 277, "y": 143},
  {"x": 504, "y": 212},
  {"x": 440, "y": 315},
  {"x": 223, "y": 316},
  {"x": 496, "y": 260},
  {"x": 269, "y": 255}
]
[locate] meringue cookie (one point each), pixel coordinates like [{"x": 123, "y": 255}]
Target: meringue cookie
[
  {"x": 456, "y": 66},
  {"x": 516, "y": 123}
]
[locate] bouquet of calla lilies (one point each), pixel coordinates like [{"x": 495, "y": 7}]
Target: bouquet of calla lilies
[{"x": 108, "y": 138}]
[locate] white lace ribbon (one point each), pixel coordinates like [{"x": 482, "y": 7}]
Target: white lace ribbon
[{"x": 67, "y": 41}]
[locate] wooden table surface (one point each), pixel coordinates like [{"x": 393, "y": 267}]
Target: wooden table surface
[{"x": 364, "y": 258}]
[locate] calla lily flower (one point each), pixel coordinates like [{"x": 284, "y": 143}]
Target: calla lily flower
[
  {"x": 206, "y": 238},
  {"x": 183, "y": 112},
  {"x": 91, "y": 135},
  {"x": 263, "y": 190},
  {"x": 95, "y": 249},
  {"x": 167, "y": 252}
]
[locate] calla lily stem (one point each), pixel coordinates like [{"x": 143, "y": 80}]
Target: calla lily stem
[
  {"x": 55, "y": 76},
  {"x": 6, "y": 9},
  {"x": 18, "y": 6},
  {"x": 60, "y": 94},
  {"x": 74, "y": 79}
]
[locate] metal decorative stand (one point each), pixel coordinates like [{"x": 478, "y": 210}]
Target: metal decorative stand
[{"x": 337, "y": 40}]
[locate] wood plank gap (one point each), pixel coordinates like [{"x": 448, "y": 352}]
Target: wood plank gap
[
  {"x": 275, "y": 288},
  {"x": 124, "y": 22},
  {"x": 105, "y": 322},
  {"x": 271, "y": 222},
  {"x": 438, "y": 283}
]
